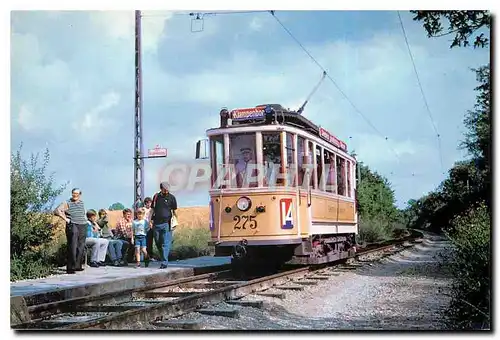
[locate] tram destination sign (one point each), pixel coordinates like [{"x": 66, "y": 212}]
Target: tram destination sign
[
  {"x": 332, "y": 139},
  {"x": 245, "y": 114}
]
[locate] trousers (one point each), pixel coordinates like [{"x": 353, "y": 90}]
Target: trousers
[
  {"x": 149, "y": 242},
  {"x": 115, "y": 249},
  {"x": 75, "y": 238},
  {"x": 163, "y": 240},
  {"x": 99, "y": 248}
]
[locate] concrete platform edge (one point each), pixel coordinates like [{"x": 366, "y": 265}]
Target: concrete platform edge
[{"x": 104, "y": 287}]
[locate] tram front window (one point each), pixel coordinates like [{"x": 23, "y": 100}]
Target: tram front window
[
  {"x": 243, "y": 157},
  {"x": 217, "y": 150},
  {"x": 271, "y": 155}
]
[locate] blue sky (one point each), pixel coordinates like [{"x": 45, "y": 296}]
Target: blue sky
[{"x": 72, "y": 90}]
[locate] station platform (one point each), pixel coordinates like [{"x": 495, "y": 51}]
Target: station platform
[{"x": 109, "y": 279}]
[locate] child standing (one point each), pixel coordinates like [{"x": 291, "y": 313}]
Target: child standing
[{"x": 140, "y": 228}]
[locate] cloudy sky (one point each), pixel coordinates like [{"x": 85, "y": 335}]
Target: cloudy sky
[{"x": 72, "y": 90}]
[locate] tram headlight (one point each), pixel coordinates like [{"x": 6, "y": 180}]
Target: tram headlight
[{"x": 244, "y": 203}]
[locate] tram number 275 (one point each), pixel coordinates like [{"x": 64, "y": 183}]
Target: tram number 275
[{"x": 244, "y": 221}]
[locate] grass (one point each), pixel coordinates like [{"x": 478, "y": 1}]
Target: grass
[{"x": 190, "y": 242}]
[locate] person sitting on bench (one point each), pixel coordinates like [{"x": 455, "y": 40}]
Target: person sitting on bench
[{"x": 98, "y": 245}]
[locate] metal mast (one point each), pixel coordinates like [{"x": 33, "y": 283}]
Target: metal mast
[{"x": 138, "y": 142}]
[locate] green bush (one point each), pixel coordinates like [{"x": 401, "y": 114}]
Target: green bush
[
  {"x": 469, "y": 262},
  {"x": 58, "y": 252},
  {"x": 374, "y": 230},
  {"x": 32, "y": 196},
  {"x": 31, "y": 265},
  {"x": 189, "y": 243},
  {"x": 399, "y": 230}
]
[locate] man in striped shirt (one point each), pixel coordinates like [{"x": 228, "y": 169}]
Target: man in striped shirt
[{"x": 73, "y": 212}]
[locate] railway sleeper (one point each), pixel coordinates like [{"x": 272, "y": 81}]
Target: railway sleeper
[
  {"x": 227, "y": 312},
  {"x": 254, "y": 304},
  {"x": 179, "y": 324},
  {"x": 324, "y": 278},
  {"x": 290, "y": 287},
  {"x": 306, "y": 282},
  {"x": 279, "y": 295}
]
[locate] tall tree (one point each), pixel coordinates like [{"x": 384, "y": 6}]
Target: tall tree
[
  {"x": 463, "y": 24},
  {"x": 478, "y": 121},
  {"x": 478, "y": 136},
  {"x": 116, "y": 206},
  {"x": 375, "y": 197}
]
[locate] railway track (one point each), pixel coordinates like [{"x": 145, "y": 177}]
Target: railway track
[{"x": 162, "y": 301}]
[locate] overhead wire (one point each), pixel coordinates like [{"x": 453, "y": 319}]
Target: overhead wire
[
  {"x": 333, "y": 82},
  {"x": 412, "y": 175},
  {"x": 438, "y": 136},
  {"x": 201, "y": 14}
]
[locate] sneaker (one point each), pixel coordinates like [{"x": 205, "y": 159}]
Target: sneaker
[
  {"x": 116, "y": 263},
  {"x": 94, "y": 264},
  {"x": 102, "y": 264},
  {"x": 163, "y": 266},
  {"x": 138, "y": 265}
]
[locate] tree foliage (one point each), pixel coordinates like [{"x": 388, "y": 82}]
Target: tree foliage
[
  {"x": 463, "y": 24},
  {"x": 471, "y": 266},
  {"x": 461, "y": 205},
  {"x": 116, "y": 206},
  {"x": 375, "y": 196},
  {"x": 32, "y": 195},
  {"x": 376, "y": 206},
  {"x": 468, "y": 182}
]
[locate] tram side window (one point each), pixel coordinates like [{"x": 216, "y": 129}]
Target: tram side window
[
  {"x": 349, "y": 194},
  {"x": 271, "y": 155},
  {"x": 319, "y": 168},
  {"x": 243, "y": 157},
  {"x": 311, "y": 154},
  {"x": 291, "y": 162},
  {"x": 330, "y": 168},
  {"x": 301, "y": 155},
  {"x": 340, "y": 176},
  {"x": 217, "y": 160}
]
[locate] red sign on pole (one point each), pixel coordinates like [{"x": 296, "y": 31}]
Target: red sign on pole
[{"x": 157, "y": 152}]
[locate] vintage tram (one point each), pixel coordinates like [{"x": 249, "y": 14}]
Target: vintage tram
[{"x": 283, "y": 189}]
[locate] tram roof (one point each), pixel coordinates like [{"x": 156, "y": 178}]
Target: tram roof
[{"x": 268, "y": 114}]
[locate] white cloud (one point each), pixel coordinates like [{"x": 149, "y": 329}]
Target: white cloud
[
  {"x": 97, "y": 120},
  {"x": 26, "y": 118},
  {"x": 121, "y": 25},
  {"x": 256, "y": 24}
]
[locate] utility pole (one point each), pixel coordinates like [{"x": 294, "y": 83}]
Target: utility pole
[{"x": 138, "y": 141}]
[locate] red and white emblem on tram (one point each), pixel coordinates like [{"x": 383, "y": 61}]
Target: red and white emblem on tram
[{"x": 286, "y": 213}]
